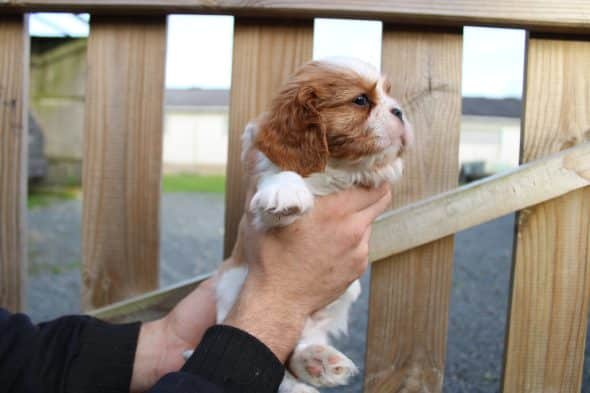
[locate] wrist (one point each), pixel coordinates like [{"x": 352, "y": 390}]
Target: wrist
[
  {"x": 148, "y": 355},
  {"x": 262, "y": 314}
]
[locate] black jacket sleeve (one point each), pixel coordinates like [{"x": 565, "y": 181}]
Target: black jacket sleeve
[
  {"x": 84, "y": 355},
  {"x": 69, "y": 354}
]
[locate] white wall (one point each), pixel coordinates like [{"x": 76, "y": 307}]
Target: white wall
[
  {"x": 494, "y": 140},
  {"x": 194, "y": 139}
]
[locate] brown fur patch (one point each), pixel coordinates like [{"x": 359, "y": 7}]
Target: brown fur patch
[{"x": 314, "y": 118}]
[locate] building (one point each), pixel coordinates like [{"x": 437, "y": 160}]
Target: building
[{"x": 196, "y": 120}]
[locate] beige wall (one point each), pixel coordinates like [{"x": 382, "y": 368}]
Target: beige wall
[
  {"x": 195, "y": 140},
  {"x": 494, "y": 140},
  {"x": 58, "y": 80}
]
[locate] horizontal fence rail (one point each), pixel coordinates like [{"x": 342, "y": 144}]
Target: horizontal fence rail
[
  {"x": 542, "y": 15},
  {"x": 473, "y": 204}
]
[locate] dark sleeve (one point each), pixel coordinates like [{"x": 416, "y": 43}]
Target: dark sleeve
[
  {"x": 74, "y": 354},
  {"x": 227, "y": 360},
  {"x": 80, "y": 354}
]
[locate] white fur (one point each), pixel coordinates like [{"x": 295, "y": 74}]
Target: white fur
[
  {"x": 364, "y": 69},
  {"x": 279, "y": 199},
  {"x": 227, "y": 290}
]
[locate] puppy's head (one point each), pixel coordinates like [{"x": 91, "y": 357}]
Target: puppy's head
[{"x": 337, "y": 113}]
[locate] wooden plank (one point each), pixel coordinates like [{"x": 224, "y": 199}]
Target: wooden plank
[
  {"x": 551, "y": 273},
  {"x": 149, "y": 306},
  {"x": 14, "y": 63},
  {"x": 123, "y": 154},
  {"x": 265, "y": 53},
  {"x": 544, "y": 15},
  {"x": 450, "y": 212},
  {"x": 410, "y": 292}
]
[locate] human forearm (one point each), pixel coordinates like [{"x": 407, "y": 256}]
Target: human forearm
[{"x": 273, "y": 321}]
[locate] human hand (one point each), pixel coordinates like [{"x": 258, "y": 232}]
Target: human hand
[
  {"x": 162, "y": 342},
  {"x": 298, "y": 269}
]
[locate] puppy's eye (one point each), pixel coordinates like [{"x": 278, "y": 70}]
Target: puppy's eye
[{"x": 361, "y": 100}]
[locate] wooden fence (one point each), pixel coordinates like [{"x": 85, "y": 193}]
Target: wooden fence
[{"x": 413, "y": 243}]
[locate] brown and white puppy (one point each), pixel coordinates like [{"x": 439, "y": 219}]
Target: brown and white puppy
[{"x": 332, "y": 126}]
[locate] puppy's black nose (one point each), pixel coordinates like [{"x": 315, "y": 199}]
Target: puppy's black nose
[{"x": 398, "y": 113}]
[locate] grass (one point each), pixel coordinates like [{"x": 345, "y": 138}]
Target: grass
[
  {"x": 44, "y": 196},
  {"x": 39, "y": 268},
  {"x": 185, "y": 182},
  {"x": 41, "y": 196}
]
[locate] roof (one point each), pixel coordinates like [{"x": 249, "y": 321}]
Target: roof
[
  {"x": 474, "y": 106},
  {"x": 493, "y": 107},
  {"x": 197, "y": 97}
]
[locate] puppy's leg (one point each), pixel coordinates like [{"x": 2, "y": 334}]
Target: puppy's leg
[
  {"x": 227, "y": 290},
  {"x": 280, "y": 199},
  {"x": 315, "y": 361},
  {"x": 322, "y": 365},
  {"x": 290, "y": 384}
]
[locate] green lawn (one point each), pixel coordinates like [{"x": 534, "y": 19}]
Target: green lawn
[
  {"x": 193, "y": 183},
  {"x": 44, "y": 196}
]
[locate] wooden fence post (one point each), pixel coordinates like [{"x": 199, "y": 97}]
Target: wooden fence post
[
  {"x": 14, "y": 73},
  {"x": 551, "y": 274},
  {"x": 122, "y": 157},
  {"x": 265, "y": 53},
  {"x": 409, "y": 298}
]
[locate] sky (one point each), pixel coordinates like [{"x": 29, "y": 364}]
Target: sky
[{"x": 493, "y": 59}]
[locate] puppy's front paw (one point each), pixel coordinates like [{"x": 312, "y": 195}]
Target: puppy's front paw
[
  {"x": 280, "y": 199},
  {"x": 322, "y": 365}
]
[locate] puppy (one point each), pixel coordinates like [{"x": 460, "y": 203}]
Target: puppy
[{"x": 332, "y": 126}]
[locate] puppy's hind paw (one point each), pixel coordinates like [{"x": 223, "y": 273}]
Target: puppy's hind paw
[
  {"x": 322, "y": 365},
  {"x": 291, "y": 385}
]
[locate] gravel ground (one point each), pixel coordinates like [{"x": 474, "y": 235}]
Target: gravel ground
[{"x": 192, "y": 230}]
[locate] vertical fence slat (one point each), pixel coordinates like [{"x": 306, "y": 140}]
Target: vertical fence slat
[
  {"x": 265, "y": 53},
  {"x": 14, "y": 71},
  {"x": 551, "y": 274},
  {"x": 122, "y": 157},
  {"x": 409, "y": 298}
]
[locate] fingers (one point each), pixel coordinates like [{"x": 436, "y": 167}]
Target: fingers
[
  {"x": 371, "y": 212},
  {"x": 362, "y": 254},
  {"x": 354, "y": 199}
]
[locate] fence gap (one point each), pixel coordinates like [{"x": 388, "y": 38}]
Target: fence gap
[
  {"x": 56, "y": 126},
  {"x": 551, "y": 273},
  {"x": 195, "y": 145},
  {"x": 489, "y": 144},
  {"x": 14, "y": 46},
  {"x": 410, "y": 292},
  {"x": 123, "y": 154},
  {"x": 265, "y": 53}
]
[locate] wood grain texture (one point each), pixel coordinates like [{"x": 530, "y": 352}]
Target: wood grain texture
[
  {"x": 265, "y": 53},
  {"x": 453, "y": 211},
  {"x": 14, "y": 46},
  {"x": 566, "y": 15},
  {"x": 409, "y": 297},
  {"x": 551, "y": 273},
  {"x": 122, "y": 158}
]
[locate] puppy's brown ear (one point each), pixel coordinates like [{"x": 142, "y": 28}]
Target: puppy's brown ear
[{"x": 292, "y": 135}]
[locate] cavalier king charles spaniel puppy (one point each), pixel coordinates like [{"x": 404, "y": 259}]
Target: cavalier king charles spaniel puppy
[{"x": 332, "y": 126}]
